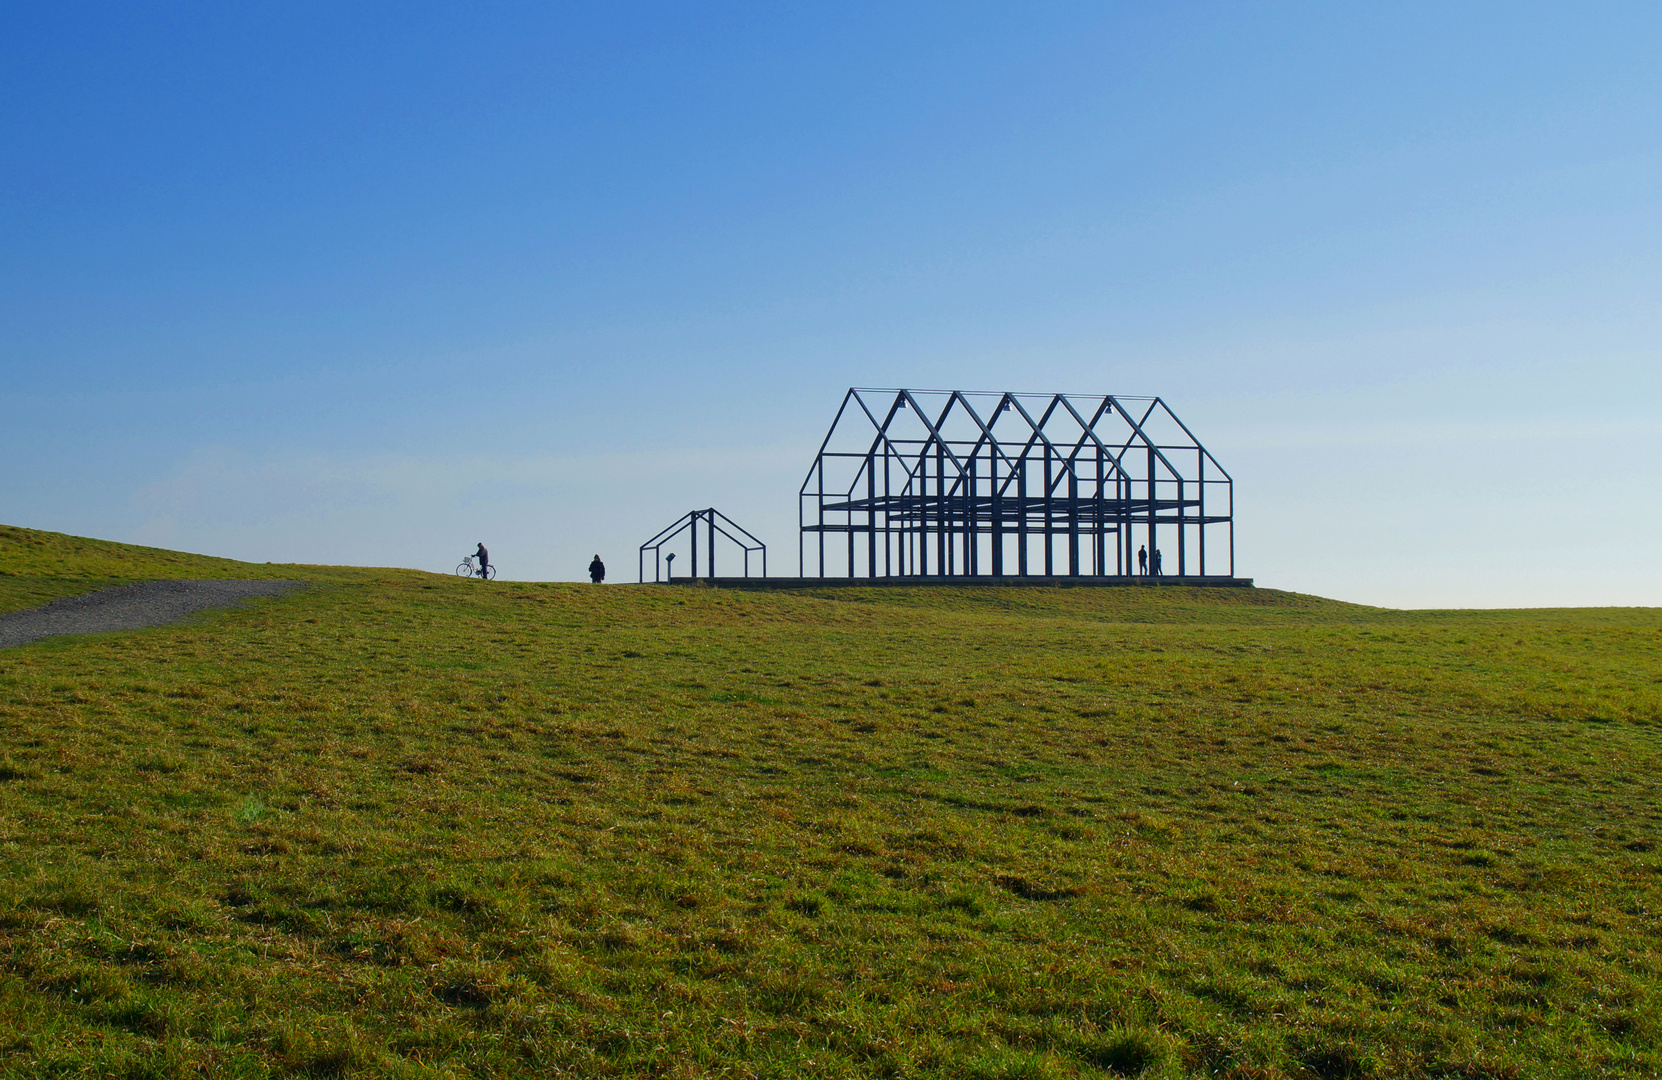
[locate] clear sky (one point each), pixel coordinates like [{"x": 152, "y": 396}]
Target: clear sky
[{"x": 367, "y": 284}]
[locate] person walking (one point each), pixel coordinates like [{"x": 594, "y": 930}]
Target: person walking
[
  {"x": 484, "y": 560},
  {"x": 1158, "y": 572},
  {"x": 1142, "y": 560},
  {"x": 597, "y": 570}
]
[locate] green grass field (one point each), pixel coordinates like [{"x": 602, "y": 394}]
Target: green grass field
[{"x": 405, "y": 825}]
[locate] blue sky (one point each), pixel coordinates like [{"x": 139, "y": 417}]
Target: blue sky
[{"x": 365, "y": 284}]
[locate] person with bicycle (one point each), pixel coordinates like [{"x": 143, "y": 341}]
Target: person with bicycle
[{"x": 484, "y": 561}]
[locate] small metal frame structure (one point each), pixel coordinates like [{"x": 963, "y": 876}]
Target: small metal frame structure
[
  {"x": 715, "y": 523},
  {"x": 942, "y": 483}
]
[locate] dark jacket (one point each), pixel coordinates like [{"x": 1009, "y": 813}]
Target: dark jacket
[{"x": 597, "y": 571}]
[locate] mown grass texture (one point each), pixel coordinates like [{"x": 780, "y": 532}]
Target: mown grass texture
[
  {"x": 405, "y": 825},
  {"x": 37, "y": 567}
]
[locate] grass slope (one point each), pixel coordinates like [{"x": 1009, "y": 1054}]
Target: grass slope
[
  {"x": 37, "y": 567},
  {"x": 413, "y": 826}
]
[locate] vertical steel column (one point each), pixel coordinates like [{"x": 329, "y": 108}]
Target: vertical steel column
[
  {"x": 711, "y": 518},
  {"x": 1050, "y": 568},
  {"x": 1232, "y": 528},
  {"x": 1119, "y": 532},
  {"x": 972, "y": 543},
  {"x": 821, "y": 500},
  {"x": 871, "y": 515},
  {"x": 1200, "y": 458},
  {"x": 909, "y": 554},
  {"x": 908, "y": 542},
  {"x": 1100, "y": 513},
  {"x": 941, "y": 567},
  {"x": 920, "y": 553},
  {"x": 1073, "y": 517},
  {"x": 1021, "y": 509},
  {"x": 1182, "y": 531},
  {"x": 994, "y": 507},
  {"x": 922, "y": 566},
  {"x": 1126, "y": 539},
  {"x": 888, "y": 536},
  {"x": 692, "y": 527}
]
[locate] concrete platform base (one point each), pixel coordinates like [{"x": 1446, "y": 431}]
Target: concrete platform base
[{"x": 963, "y": 581}]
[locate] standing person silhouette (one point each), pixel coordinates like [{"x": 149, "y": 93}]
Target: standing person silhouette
[
  {"x": 484, "y": 559},
  {"x": 1142, "y": 560},
  {"x": 1158, "y": 571},
  {"x": 597, "y": 570}
]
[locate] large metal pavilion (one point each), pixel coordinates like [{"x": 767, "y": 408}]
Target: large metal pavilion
[{"x": 952, "y": 483}]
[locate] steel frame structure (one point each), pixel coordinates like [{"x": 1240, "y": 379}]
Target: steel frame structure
[
  {"x": 715, "y": 523},
  {"x": 943, "y": 483}
]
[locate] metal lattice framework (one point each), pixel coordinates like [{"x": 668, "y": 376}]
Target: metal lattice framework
[
  {"x": 939, "y": 483},
  {"x": 715, "y": 523}
]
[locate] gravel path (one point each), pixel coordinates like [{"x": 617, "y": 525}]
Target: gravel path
[{"x": 129, "y": 607}]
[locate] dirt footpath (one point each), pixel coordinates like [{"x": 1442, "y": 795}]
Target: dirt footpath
[{"x": 130, "y": 607}]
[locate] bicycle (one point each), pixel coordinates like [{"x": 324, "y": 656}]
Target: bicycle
[{"x": 467, "y": 568}]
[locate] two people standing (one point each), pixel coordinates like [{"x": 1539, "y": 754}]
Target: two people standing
[{"x": 1142, "y": 562}]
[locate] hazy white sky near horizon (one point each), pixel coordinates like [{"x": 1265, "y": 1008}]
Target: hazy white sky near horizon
[{"x": 367, "y": 285}]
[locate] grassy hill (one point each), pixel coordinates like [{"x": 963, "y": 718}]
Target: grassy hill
[
  {"x": 37, "y": 567},
  {"x": 407, "y": 825}
]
